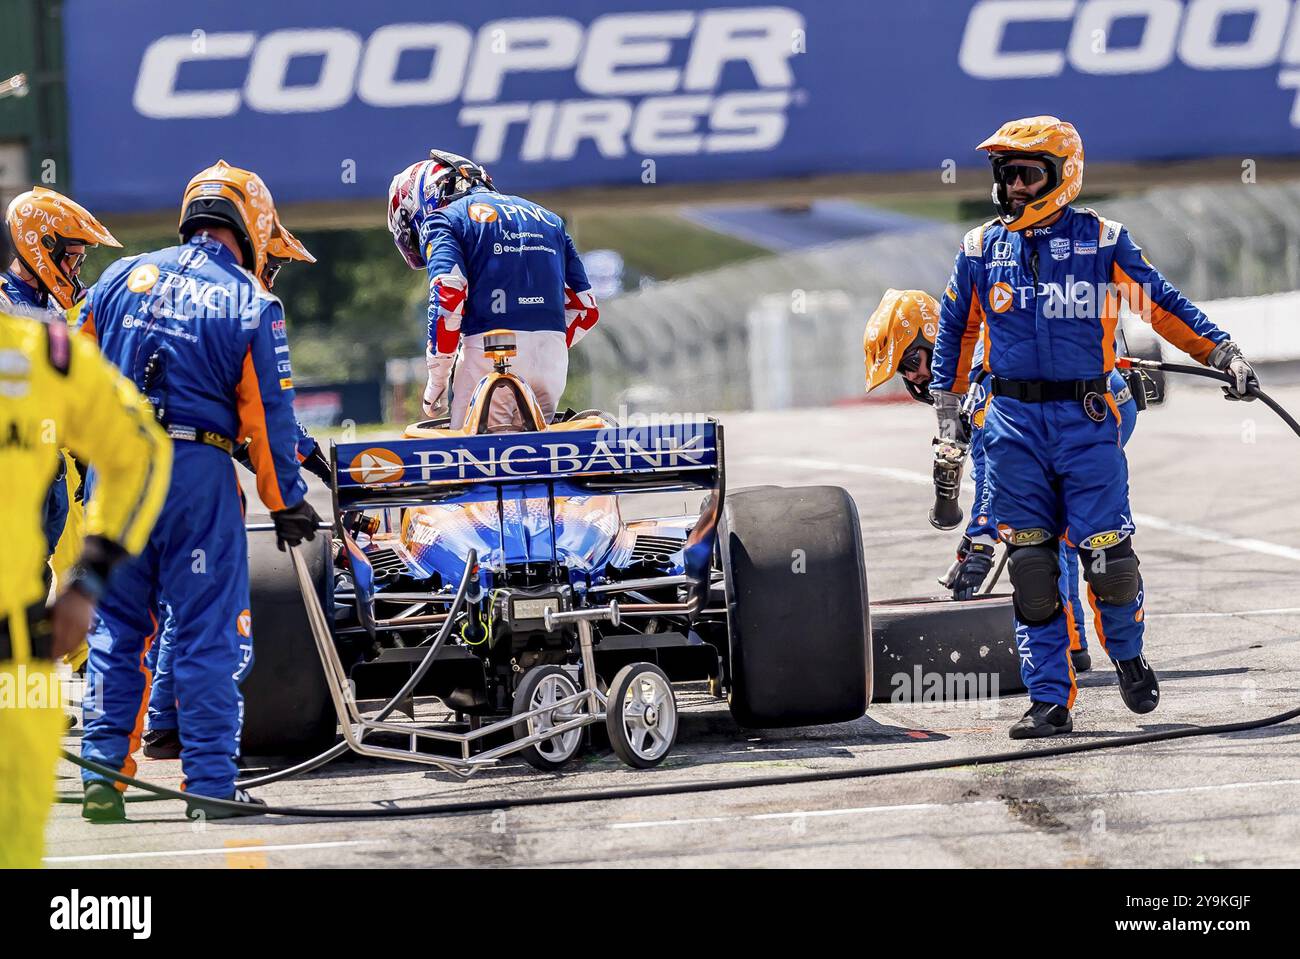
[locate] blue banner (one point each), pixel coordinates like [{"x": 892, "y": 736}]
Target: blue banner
[{"x": 329, "y": 99}]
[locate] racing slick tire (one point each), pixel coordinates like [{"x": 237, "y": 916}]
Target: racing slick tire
[
  {"x": 287, "y": 707},
  {"x": 798, "y": 620},
  {"x": 932, "y": 649}
]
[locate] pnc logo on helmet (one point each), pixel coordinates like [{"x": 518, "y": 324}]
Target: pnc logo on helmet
[
  {"x": 482, "y": 212},
  {"x": 376, "y": 465},
  {"x": 1000, "y": 297}
]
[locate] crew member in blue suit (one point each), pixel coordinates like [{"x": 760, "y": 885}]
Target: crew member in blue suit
[
  {"x": 196, "y": 331},
  {"x": 50, "y": 236},
  {"x": 899, "y": 340},
  {"x": 161, "y": 735},
  {"x": 1041, "y": 286}
]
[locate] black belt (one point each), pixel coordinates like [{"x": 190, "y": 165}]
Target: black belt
[
  {"x": 1045, "y": 391},
  {"x": 191, "y": 434},
  {"x": 40, "y": 634}
]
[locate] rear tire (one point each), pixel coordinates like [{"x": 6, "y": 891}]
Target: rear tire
[
  {"x": 797, "y": 613},
  {"x": 927, "y": 649},
  {"x": 287, "y": 706}
]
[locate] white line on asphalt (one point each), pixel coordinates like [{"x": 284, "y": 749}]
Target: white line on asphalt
[
  {"x": 916, "y": 807},
  {"x": 1282, "y": 611},
  {"x": 220, "y": 850},
  {"x": 1223, "y": 539},
  {"x": 1141, "y": 519}
]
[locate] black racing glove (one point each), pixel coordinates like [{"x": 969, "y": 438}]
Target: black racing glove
[
  {"x": 316, "y": 463},
  {"x": 295, "y": 524},
  {"x": 967, "y": 574},
  {"x": 99, "y": 556}
]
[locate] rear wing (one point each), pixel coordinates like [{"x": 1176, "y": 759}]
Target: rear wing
[{"x": 623, "y": 459}]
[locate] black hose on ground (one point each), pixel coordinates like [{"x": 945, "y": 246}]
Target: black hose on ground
[{"x": 675, "y": 789}]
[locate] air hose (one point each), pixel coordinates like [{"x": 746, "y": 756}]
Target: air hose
[{"x": 388, "y": 811}]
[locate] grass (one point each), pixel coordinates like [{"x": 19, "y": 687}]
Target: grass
[{"x": 661, "y": 245}]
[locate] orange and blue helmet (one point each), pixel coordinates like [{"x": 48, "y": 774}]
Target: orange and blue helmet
[
  {"x": 905, "y": 322},
  {"x": 42, "y": 225},
  {"x": 223, "y": 195},
  {"x": 1049, "y": 139}
]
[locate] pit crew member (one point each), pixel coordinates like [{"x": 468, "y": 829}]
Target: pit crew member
[
  {"x": 161, "y": 738},
  {"x": 494, "y": 261},
  {"x": 1043, "y": 282},
  {"x": 49, "y": 235},
  {"x": 49, "y": 377},
  {"x": 194, "y": 328},
  {"x": 899, "y": 339}
]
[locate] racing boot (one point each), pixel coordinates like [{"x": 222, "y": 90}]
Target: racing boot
[
  {"x": 1078, "y": 657},
  {"x": 1138, "y": 684},
  {"x": 162, "y": 744},
  {"x": 1042, "y": 719},
  {"x": 103, "y": 803},
  {"x": 197, "y": 809}
]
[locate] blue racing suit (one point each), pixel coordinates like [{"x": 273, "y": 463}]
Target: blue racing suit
[
  {"x": 161, "y": 713},
  {"x": 1047, "y": 300},
  {"x": 19, "y": 298},
  {"x": 207, "y": 344},
  {"x": 500, "y": 261},
  {"x": 982, "y": 522}
]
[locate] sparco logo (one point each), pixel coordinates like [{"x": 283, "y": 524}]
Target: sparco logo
[
  {"x": 1190, "y": 32},
  {"x": 629, "y": 95}
]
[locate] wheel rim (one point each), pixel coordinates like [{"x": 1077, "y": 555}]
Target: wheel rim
[
  {"x": 649, "y": 715},
  {"x": 550, "y": 691}
]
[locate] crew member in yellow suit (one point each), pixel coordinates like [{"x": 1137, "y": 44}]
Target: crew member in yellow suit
[{"x": 57, "y": 391}]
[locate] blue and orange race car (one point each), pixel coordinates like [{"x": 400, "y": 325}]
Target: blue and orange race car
[{"x": 494, "y": 575}]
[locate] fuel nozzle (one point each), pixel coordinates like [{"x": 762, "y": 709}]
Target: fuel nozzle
[{"x": 949, "y": 455}]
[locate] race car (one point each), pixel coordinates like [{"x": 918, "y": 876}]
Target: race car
[{"x": 494, "y": 571}]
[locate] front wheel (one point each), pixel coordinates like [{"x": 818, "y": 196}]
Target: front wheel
[
  {"x": 641, "y": 715},
  {"x": 542, "y": 687}
]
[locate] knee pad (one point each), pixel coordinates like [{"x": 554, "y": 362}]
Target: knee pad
[
  {"x": 1112, "y": 573},
  {"x": 1034, "y": 572}
]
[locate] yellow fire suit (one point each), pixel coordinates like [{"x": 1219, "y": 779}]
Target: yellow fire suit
[{"x": 56, "y": 391}]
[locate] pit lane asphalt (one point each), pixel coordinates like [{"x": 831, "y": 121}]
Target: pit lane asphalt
[{"x": 1213, "y": 486}]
